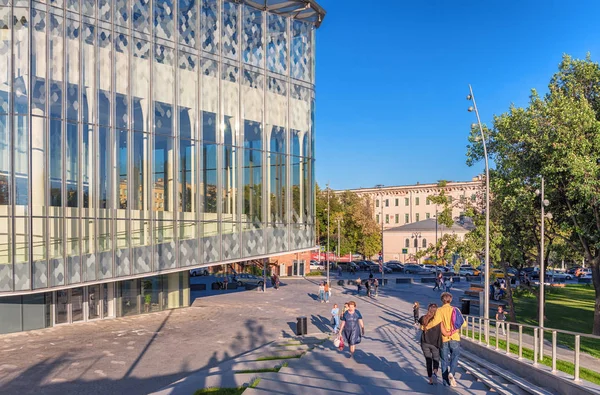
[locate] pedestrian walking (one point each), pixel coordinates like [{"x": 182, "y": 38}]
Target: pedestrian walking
[
  {"x": 339, "y": 271},
  {"x": 448, "y": 284},
  {"x": 326, "y": 291},
  {"x": 376, "y": 286},
  {"x": 358, "y": 286},
  {"x": 352, "y": 327},
  {"x": 431, "y": 341},
  {"x": 416, "y": 312},
  {"x": 500, "y": 320},
  {"x": 438, "y": 282},
  {"x": 335, "y": 318},
  {"x": 322, "y": 292},
  {"x": 368, "y": 287},
  {"x": 450, "y": 338}
]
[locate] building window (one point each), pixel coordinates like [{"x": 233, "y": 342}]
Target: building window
[
  {"x": 417, "y": 217},
  {"x": 387, "y": 202},
  {"x": 407, "y": 243},
  {"x": 416, "y": 243},
  {"x": 376, "y": 203},
  {"x": 377, "y": 218},
  {"x": 396, "y": 202},
  {"x": 387, "y": 219},
  {"x": 424, "y": 243},
  {"x": 406, "y": 201},
  {"x": 449, "y": 199},
  {"x": 463, "y": 198},
  {"x": 416, "y": 201},
  {"x": 427, "y": 215},
  {"x": 397, "y": 218},
  {"x": 427, "y": 202},
  {"x": 473, "y": 197},
  {"x": 405, "y": 218}
]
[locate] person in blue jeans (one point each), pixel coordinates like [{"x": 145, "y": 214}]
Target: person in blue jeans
[
  {"x": 335, "y": 315},
  {"x": 322, "y": 292},
  {"x": 450, "y": 341}
]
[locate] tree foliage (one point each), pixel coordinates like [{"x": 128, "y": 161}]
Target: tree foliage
[{"x": 556, "y": 136}]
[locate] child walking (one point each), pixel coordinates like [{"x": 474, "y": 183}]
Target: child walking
[
  {"x": 335, "y": 315},
  {"x": 416, "y": 312}
]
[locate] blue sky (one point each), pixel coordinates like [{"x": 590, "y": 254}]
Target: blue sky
[{"x": 392, "y": 77}]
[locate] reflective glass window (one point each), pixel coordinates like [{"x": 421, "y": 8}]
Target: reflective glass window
[
  {"x": 188, "y": 95},
  {"x": 21, "y": 60},
  {"x": 87, "y": 165},
  {"x": 88, "y": 89},
  {"x": 163, "y": 157},
  {"x": 71, "y": 164},
  {"x": 38, "y": 165},
  {"x": 104, "y": 167},
  {"x": 56, "y": 49},
  {"x": 5, "y": 58},
  {"x": 104, "y": 235},
  {"x": 230, "y": 30},
  {"x": 253, "y": 36},
  {"x": 105, "y": 75},
  {"x": 209, "y": 179},
  {"x": 252, "y": 183},
  {"x": 73, "y": 69},
  {"x": 55, "y": 156},
  {"x": 276, "y": 43},
  {"x": 141, "y": 16},
  {"x": 21, "y": 164},
  {"x": 121, "y": 12},
  {"x": 277, "y": 191},
  {"x": 209, "y": 26},
  {"x": 122, "y": 171},
  {"x": 55, "y": 237},
  {"x": 230, "y": 179},
  {"x": 104, "y": 8},
  {"x": 187, "y": 176},
  {"x": 140, "y": 171},
  {"x": 38, "y": 62},
  {"x": 296, "y": 189},
  {"x": 188, "y": 22},
  {"x": 209, "y": 127},
  {"x": 163, "y": 19},
  {"x": 121, "y": 61},
  {"x": 140, "y": 85}
]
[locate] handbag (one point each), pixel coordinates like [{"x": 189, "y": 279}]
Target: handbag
[{"x": 337, "y": 341}]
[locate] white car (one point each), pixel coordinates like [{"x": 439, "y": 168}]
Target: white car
[
  {"x": 465, "y": 272},
  {"x": 317, "y": 266},
  {"x": 558, "y": 275},
  {"x": 200, "y": 271}
]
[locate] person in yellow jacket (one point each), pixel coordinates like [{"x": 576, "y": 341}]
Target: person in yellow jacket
[{"x": 450, "y": 340}]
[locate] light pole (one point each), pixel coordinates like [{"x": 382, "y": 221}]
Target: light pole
[
  {"x": 339, "y": 220},
  {"x": 416, "y": 236},
  {"x": 381, "y": 256},
  {"x": 327, "y": 249},
  {"x": 486, "y": 298},
  {"x": 544, "y": 202}
]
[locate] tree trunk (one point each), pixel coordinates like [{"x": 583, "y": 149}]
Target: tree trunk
[{"x": 595, "y": 265}]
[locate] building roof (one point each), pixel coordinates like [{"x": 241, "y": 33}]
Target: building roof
[
  {"x": 304, "y": 10},
  {"x": 381, "y": 188},
  {"x": 430, "y": 224}
]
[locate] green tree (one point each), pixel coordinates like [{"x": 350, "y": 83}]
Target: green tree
[{"x": 556, "y": 136}]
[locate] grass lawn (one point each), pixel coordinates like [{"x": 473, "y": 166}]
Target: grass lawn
[
  {"x": 275, "y": 358},
  {"x": 570, "y": 308},
  {"x": 563, "y": 366},
  {"x": 226, "y": 391}
]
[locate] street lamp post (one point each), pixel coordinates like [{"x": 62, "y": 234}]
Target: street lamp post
[
  {"x": 381, "y": 257},
  {"x": 416, "y": 236},
  {"x": 543, "y": 204},
  {"x": 327, "y": 249},
  {"x": 486, "y": 294}
]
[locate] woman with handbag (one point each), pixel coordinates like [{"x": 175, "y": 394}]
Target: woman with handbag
[
  {"x": 431, "y": 341},
  {"x": 353, "y": 327}
]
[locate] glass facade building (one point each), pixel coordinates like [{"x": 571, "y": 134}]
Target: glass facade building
[{"x": 147, "y": 137}]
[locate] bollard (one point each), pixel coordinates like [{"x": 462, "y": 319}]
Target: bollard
[
  {"x": 577, "y": 344},
  {"x": 535, "y": 347},
  {"x": 554, "y": 352},
  {"x": 541, "y": 344},
  {"x": 507, "y": 337},
  {"x": 520, "y": 341},
  {"x": 481, "y": 322}
]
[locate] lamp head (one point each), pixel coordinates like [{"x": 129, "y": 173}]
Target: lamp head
[
  {"x": 469, "y": 97},
  {"x": 537, "y": 192},
  {"x": 470, "y": 109},
  {"x": 546, "y": 202},
  {"x": 549, "y": 215}
]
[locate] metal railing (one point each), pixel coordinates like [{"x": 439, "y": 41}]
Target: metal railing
[{"x": 481, "y": 326}]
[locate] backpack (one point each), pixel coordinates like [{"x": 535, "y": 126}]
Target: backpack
[{"x": 457, "y": 319}]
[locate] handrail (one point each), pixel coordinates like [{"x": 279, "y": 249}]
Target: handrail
[{"x": 538, "y": 352}]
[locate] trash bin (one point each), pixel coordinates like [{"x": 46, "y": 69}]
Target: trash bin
[
  {"x": 466, "y": 306},
  {"x": 301, "y": 326},
  {"x": 341, "y": 283}
]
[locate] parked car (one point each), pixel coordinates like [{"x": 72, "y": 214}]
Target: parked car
[
  {"x": 199, "y": 271},
  {"x": 558, "y": 275},
  {"x": 245, "y": 278},
  {"x": 348, "y": 266},
  {"x": 396, "y": 267},
  {"x": 314, "y": 265},
  {"x": 572, "y": 270},
  {"x": 529, "y": 271},
  {"x": 499, "y": 273},
  {"x": 582, "y": 272},
  {"x": 468, "y": 270},
  {"x": 587, "y": 275},
  {"x": 412, "y": 269}
]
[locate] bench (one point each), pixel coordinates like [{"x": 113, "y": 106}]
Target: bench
[
  {"x": 584, "y": 280},
  {"x": 340, "y": 283},
  {"x": 404, "y": 280},
  {"x": 428, "y": 279},
  {"x": 197, "y": 287},
  {"x": 493, "y": 303},
  {"x": 473, "y": 278}
]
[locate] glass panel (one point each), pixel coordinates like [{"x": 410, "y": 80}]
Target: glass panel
[
  {"x": 129, "y": 292},
  {"x": 210, "y": 175},
  {"x": 276, "y": 115},
  {"x": 104, "y": 75},
  {"x": 307, "y": 199},
  {"x": 252, "y": 95},
  {"x": 301, "y": 51},
  {"x": 104, "y": 235},
  {"x": 163, "y": 232},
  {"x": 253, "y": 32},
  {"x": 163, "y": 174},
  {"x": 21, "y": 164},
  {"x": 55, "y": 231},
  {"x": 140, "y": 232},
  {"x": 93, "y": 302},
  {"x": 188, "y": 92},
  {"x": 296, "y": 189},
  {"x": 61, "y": 307},
  {"x": 104, "y": 168},
  {"x": 88, "y": 7},
  {"x": 104, "y": 10},
  {"x": 55, "y": 156},
  {"x": 187, "y": 22},
  {"x": 88, "y": 236},
  {"x": 38, "y": 236},
  {"x": 87, "y": 72},
  {"x": 122, "y": 234},
  {"x": 87, "y": 166},
  {"x": 5, "y": 57},
  {"x": 21, "y": 240},
  {"x": 122, "y": 170},
  {"x": 38, "y": 62},
  {"x": 72, "y": 165},
  {"x": 277, "y": 183},
  {"x": 163, "y": 19},
  {"x": 121, "y": 81},
  {"x": 108, "y": 300},
  {"x": 73, "y": 235},
  {"x": 230, "y": 30},
  {"x": 56, "y": 49},
  {"x": 21, "y": 60},
  {"x": 276, "y": 43},
  {"x": 209, "y": 25},
  {"x": 230, "y": 180},
  {"x": 252, "y": 182},
  {"x": 151, "y": 288},
  {"x": 163, "y": 78},
  {"x": 188, "y": 230},
  {"x": 141, "y": 16},
  {"x": 77, "y": 304},
  {"x": 187, "y": 178},
  {"x": 73, "y": 5},
  {"x": 210, "y": 99},
  {"x": 5, "y": 176},
  {"x": 140, "y": 85},
  {"x": 121, "y": 12},
  {"x": 5, "y": 244},
  {"x": 73, "y": 67},
  {"x": 140, "y": 171}
]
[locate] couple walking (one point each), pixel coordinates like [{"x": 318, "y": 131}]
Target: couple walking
[
  {"x": 324, "y": 292},
  {"x": 440, "y": 337}
]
